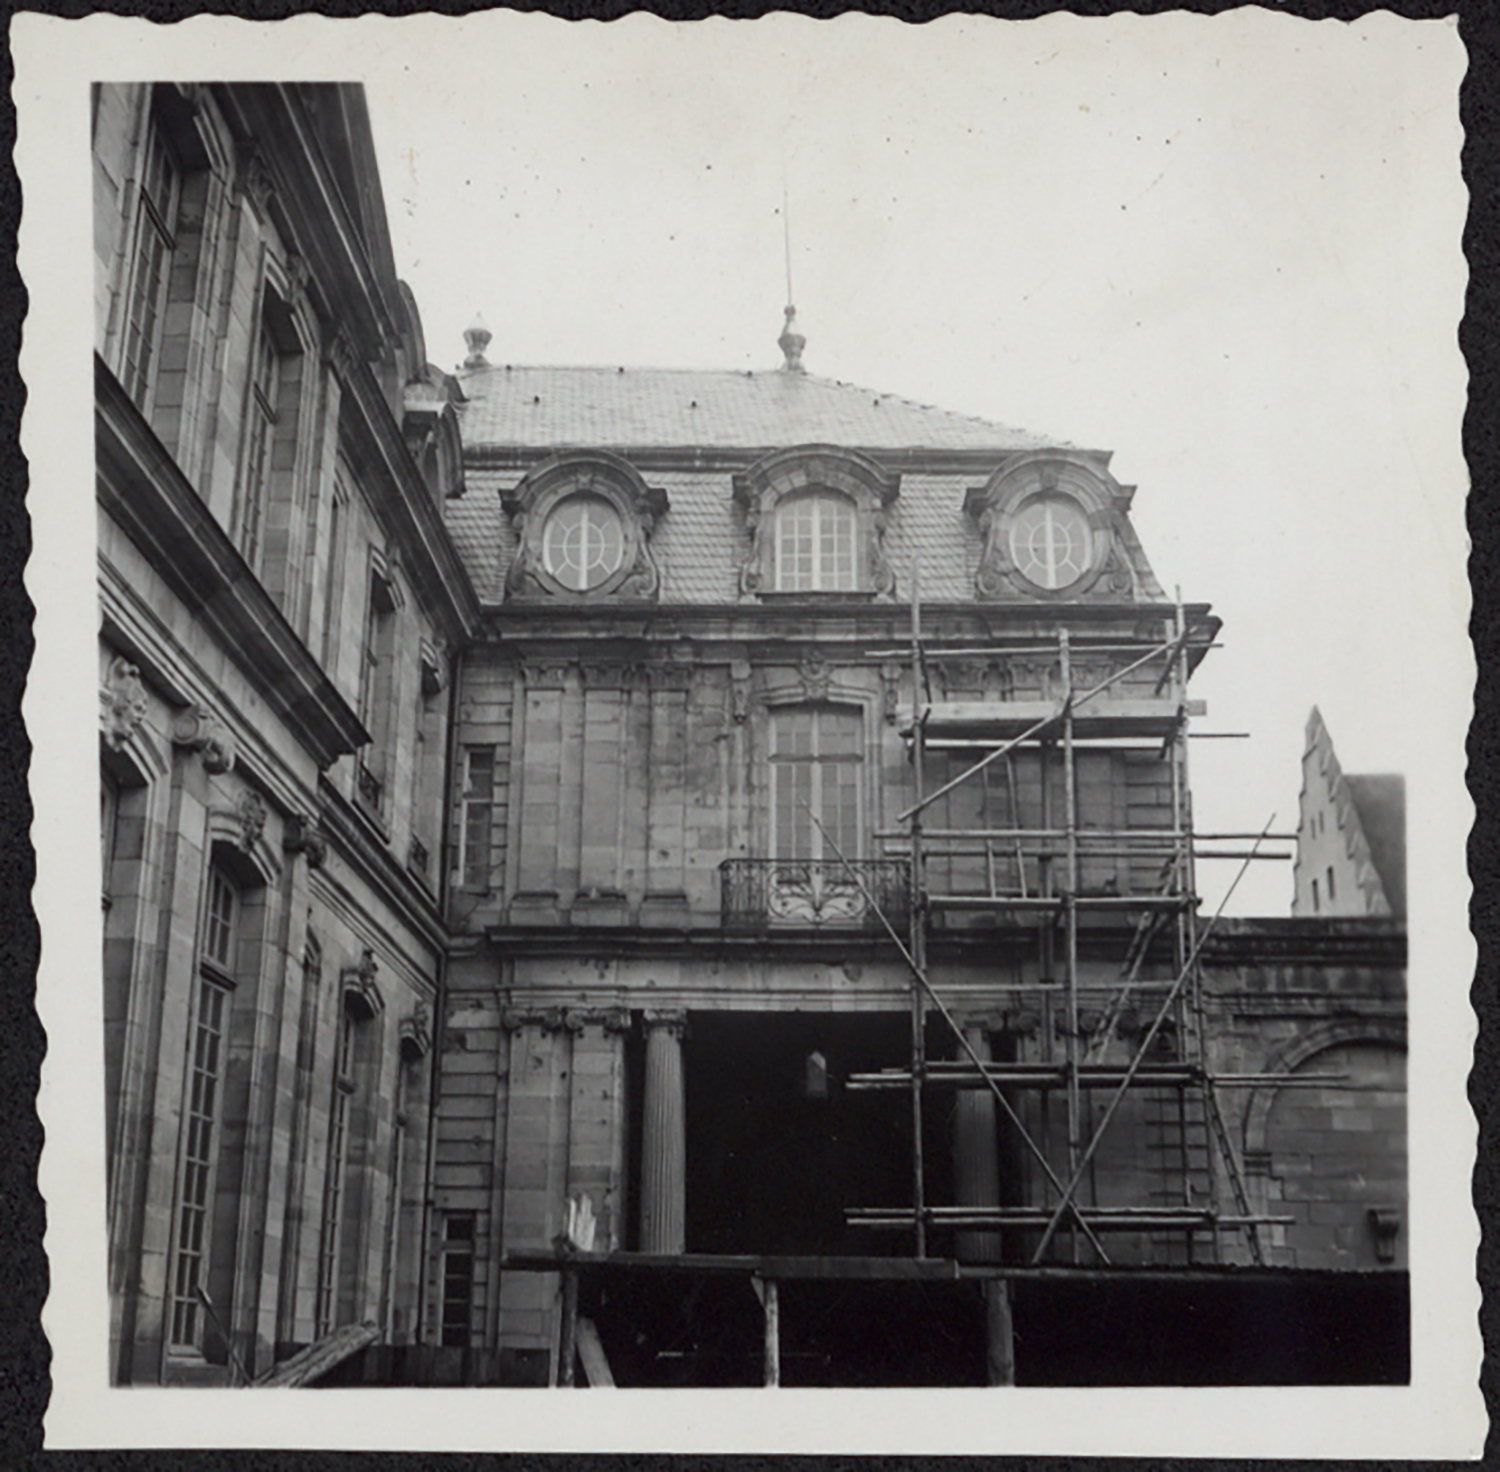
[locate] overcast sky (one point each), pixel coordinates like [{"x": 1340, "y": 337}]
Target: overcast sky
[{"x": 1225, "y": 248}]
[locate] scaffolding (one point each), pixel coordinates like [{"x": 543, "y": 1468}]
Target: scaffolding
[{"x": 1034, "y": 874}]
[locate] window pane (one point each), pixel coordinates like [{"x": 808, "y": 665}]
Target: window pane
[{"x": 194, "y": 1200}]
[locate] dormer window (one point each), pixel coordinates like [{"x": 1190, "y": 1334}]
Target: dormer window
[
  {"x": 815, "y": 550},
  {"x": 816, "y": 516},
  {"x": 1051, "y": 543},
  {"x": 583, "y": 523},
  {"x": 1052, "y": 524},
  {"x": 583, "y": 543}
]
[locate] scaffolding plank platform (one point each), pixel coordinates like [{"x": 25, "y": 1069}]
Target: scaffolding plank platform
[
  {"x": 906, "y": 1268},
  {"x": 1104, "y": 715},
  {"x": 1056, "y": 902}
]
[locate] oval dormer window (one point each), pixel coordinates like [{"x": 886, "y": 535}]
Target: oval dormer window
[
  {"x": 583, "y": 543},
  {"x": 1051, "y": 542}
]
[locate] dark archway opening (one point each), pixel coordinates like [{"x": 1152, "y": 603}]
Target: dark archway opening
[{"x": 778, "y": 1145}]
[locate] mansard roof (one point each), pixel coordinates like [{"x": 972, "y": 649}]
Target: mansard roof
[
  {"x": 689, "y": 431},
  {"x": 627, "y": 409}
]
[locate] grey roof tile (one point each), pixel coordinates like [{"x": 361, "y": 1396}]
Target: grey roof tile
[
  {"x": 554, "y": 408},
  {"x": 701, "y": 543}
]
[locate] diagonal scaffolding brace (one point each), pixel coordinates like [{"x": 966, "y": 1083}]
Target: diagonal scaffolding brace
[
  {"x": 1068, "y": 1206},
  {"x": 1140, "y": 1055}
]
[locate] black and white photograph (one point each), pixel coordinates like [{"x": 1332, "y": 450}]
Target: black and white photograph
[{"x": 778, "y": 707}]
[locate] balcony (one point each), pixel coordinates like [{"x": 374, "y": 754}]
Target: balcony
[{"x": 756, "y": 894}]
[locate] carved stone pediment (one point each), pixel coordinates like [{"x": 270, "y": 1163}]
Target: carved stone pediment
[{"x": 552, "y": 564}]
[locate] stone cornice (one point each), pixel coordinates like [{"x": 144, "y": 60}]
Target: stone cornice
[
  {"x": 846, "y": 621},
  {"x": 1278, "y": 941},
  {"x": 915, "y": 460},
  {"x": 142, "y": 489},
  {"x": 348, "y": 836},
  {"x": 314, "y": 212}
]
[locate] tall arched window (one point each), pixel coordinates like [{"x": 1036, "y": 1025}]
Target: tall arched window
[
  {"x": 817, "y": 752},
  {"x": 334, "y": 1181},
  {"x": 200, "y": 1150},
  {"x": 815, "y": 544}
]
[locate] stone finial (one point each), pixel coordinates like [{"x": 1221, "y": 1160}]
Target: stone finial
[
  {"x": 477, "y": 338},
  {"x": 791, "y": 342}
]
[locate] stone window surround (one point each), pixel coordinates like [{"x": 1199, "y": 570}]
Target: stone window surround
[
  {"x": 245, "y": 858},
  {"x": 200, "y": 149},
  {"x": 817, "y": 469},
  {"x": 584, "y": 472},
  {"x": 995, "y": 505},
  {"x": 826, "y": 688}
]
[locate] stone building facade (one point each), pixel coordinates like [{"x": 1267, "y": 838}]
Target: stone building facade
[
  {"x": 504, "y": 779},
  {"x": 279, "y": 603}
]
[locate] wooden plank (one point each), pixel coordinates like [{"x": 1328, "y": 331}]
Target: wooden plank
[{"x": 591, "y": 1352}]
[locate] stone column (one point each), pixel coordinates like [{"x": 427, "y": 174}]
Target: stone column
[
  {"x": 976, "y": 1153},
  {"x": 664, "y": 1137},
  {"x": 976, "y": 1161}
]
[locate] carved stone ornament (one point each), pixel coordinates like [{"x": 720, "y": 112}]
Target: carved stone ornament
[
  {"x": 358, "y": 982},
  {"x": 198, "y": 729},
  {"x": 1089, "y": 505},
  {"x": 890, "y": 691},
  {"x": 546, "y": 675},
  {"x": 251, "y": 812},
  {"x": 416, "y": 1033},
  {"x": 304, "y": 835},
  {"x": 739, "y": 690},
  {"x": 549, "y": 1019},
  {"x": 341, "y": 354},
  {"x": 297, "y": 274},
  {"x": 255, "y": 178},
  {"x": 807, "y": 470},
  {"x": 815, "y": 675},
  {"x": 611, "y": 1019},
  {"x": 434, "y": 668},
  {"x": 123, "y": 703},
  {"x": 1385, "y": 1223},
  {"x": 592, "y": 475},
  {"x": 672, "y": 1019}
]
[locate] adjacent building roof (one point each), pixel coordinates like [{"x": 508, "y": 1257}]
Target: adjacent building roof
[
  {"x": 1380, "y": 801},
  {"x": 633, "y": 408}
]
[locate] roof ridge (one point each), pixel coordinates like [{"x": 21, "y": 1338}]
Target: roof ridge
[{"x": 761, "y": 373}]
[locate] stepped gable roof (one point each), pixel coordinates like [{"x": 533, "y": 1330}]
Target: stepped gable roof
[
  {"x": 636, "y": 408},
  {"x": 1380, "y": 801}
]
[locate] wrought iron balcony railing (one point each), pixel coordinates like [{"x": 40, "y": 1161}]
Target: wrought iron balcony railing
[{"x": 756, "y": 893}]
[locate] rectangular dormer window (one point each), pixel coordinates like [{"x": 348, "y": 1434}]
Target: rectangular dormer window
[{"x": 815, "y": 550}]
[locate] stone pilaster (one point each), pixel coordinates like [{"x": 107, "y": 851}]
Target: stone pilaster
[{"x": 664, "y": 1137}]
